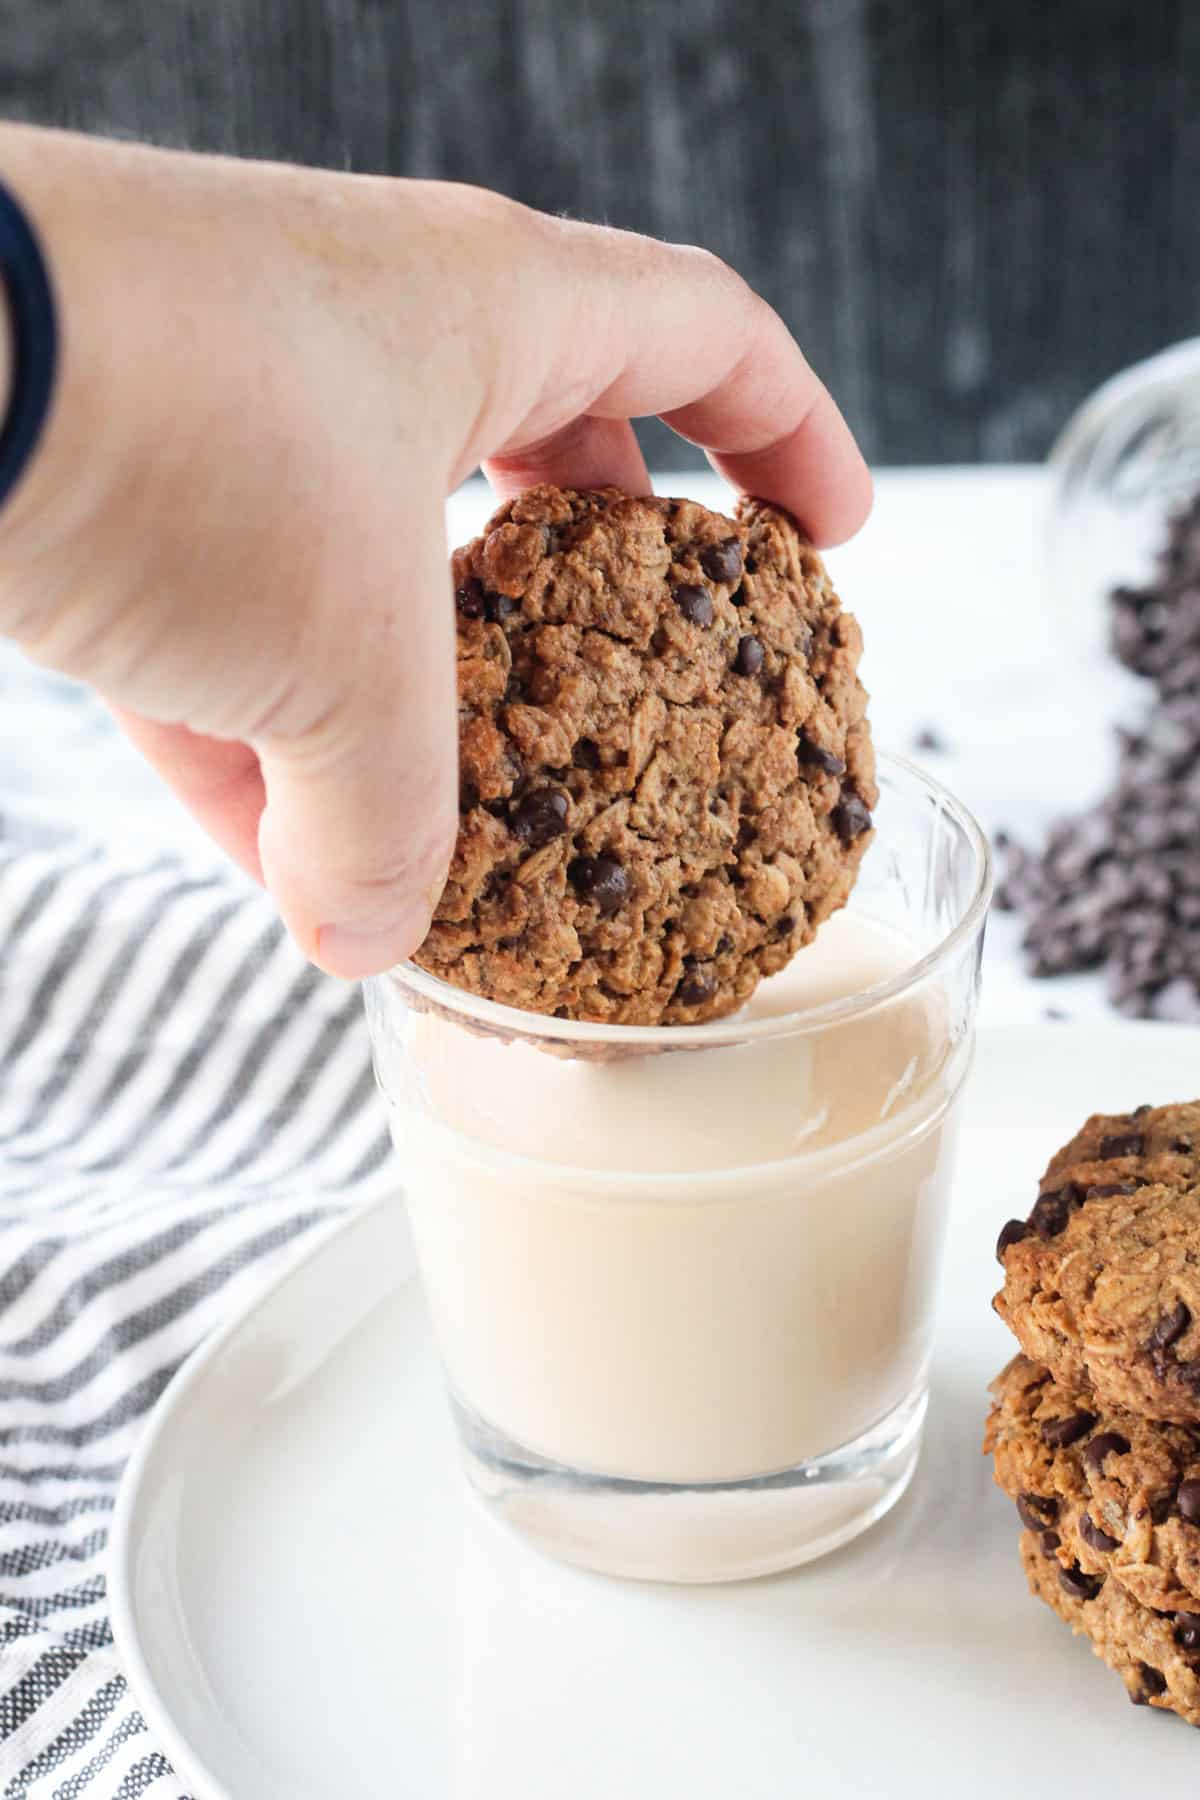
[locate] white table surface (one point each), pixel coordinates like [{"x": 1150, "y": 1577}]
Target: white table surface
[{"x": 963, "y": 635}]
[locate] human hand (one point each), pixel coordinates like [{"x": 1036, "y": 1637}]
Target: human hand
[{"x": 233, "y": 528}]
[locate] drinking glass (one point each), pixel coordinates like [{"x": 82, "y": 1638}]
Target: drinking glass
[{"x": 683, "y": 1278}]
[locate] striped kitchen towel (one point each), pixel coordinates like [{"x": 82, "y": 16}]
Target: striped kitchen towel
[{"x": 182, "y": 1101}]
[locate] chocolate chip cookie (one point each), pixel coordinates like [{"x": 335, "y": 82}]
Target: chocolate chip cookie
[
  {"x": 1118, "y": 1495},
  {"x": 667, "y": 777},
  {"x": 1157, "y": 1655},
  {"x": 1102, "y": 1280}
]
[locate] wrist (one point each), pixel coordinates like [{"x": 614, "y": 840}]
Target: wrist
[
  {"x": 6, "y": 362},
  {"x": 30, "y": 328},
  {"x": 136, "y": 293},
  {"x": 52, "y": 485}
]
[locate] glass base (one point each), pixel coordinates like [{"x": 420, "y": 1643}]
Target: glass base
[{"x": 726, "y": 1531}]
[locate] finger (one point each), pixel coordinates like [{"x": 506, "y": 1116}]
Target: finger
[
  {"x": 362, "y": 811},
  {"x": 219, "y": 782},
  {"x": 660, "y": 328},
  {"x": 587, "y": 453},
  {"x": 830, "y": 494}
]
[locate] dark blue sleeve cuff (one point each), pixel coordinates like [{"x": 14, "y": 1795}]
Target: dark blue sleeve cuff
[{"x": 33, "y": 333}]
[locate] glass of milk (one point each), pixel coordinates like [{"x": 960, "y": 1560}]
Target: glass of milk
[{"x": 682, "y": 1277}]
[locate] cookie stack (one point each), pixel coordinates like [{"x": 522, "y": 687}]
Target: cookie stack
[{"x": 1095, "y": 1428}]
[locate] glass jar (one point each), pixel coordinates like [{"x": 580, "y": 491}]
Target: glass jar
[{"x": 1125, "y": 462}]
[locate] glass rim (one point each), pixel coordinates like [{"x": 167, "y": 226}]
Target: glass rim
[{"x": 511, "y": 1021}]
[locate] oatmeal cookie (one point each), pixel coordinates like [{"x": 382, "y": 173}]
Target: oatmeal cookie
[
  {"x": 666, "y": 773},
  {"x": 1102, "y": 1280},
  {"x": 1120, "y": 1494},
  {"x": 1157, "y": 1655}
]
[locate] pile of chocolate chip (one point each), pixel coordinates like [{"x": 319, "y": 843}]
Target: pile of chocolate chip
[{"x": 1118, "y": 887}]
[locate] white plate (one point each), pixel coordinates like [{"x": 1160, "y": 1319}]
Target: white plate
[{"x": 307, "y": 1603}]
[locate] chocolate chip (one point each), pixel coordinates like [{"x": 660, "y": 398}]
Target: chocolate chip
[
  {"x": 1079, "y": 1585},
  {"x": 850, "y": 816},
  {"x": 1188, "y": 1501},
  {"x": 586, "y": 754},
  {"x": 1116, "y": 883},
  {"x": 601, "y": 881},
  {"x": 698, "y": 985},
  {"x": 1130, "y": 1143},
  {"x": 1040, "y": 1503},
  {"x": 469, "y": 599},
  {"x": 1026, "y": 1505},
  {"x": 1182, "y": 1146},
  {"x": 1010, "y": 1234},
  {"x": 738, "y": 596},
  {"x": 1051, "y": 1211},
  {"x": 695, "y": 603},
  {"x": 1187, "y": 1630},
  {"x": 1153, "y": 1681},
  {"x": 540, "y": 816},
  {"x": 1161, "y": 1507},
  {"x": 1170, "y": 1328},
  {"x": 1050, "y": 1542},
  {"x": 749, "y": 658},
  {"x": 1139, "y": 1111},
  {"x": 1108, "y": 1188},
  {"x": 1091, "y": 1534},
  {"x": 500, "y": 607},
  {"x": 722, "y": 562},
  {"x": 1105, "y": 1443},
  {"x": 724, "y": 945},
  {"x": 1058, "y": 1433},
  {"x": 818, "y": 758},
  {"x": 1050, "y": 1214},
  {"x": 468, "y": 797}
]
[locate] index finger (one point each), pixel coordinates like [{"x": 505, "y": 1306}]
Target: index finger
[{"x": 668, "y": 329}]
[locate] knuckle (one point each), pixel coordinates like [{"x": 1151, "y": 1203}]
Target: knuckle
[{"x": 705, "y": 266}]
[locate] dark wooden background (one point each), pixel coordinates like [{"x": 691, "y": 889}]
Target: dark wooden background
[{"x": 969, "y": 210}]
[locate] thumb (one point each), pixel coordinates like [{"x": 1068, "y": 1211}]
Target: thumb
[{"x": 361, "y": 809}]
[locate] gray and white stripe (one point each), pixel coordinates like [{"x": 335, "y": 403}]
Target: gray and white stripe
[{"x": 182, "y": 1101}]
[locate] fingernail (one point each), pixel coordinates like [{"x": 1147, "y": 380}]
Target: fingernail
[{"x": 354, "y": 951}]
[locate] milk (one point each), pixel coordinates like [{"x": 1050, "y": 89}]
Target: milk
[{"x": 692, "y": 1265}]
